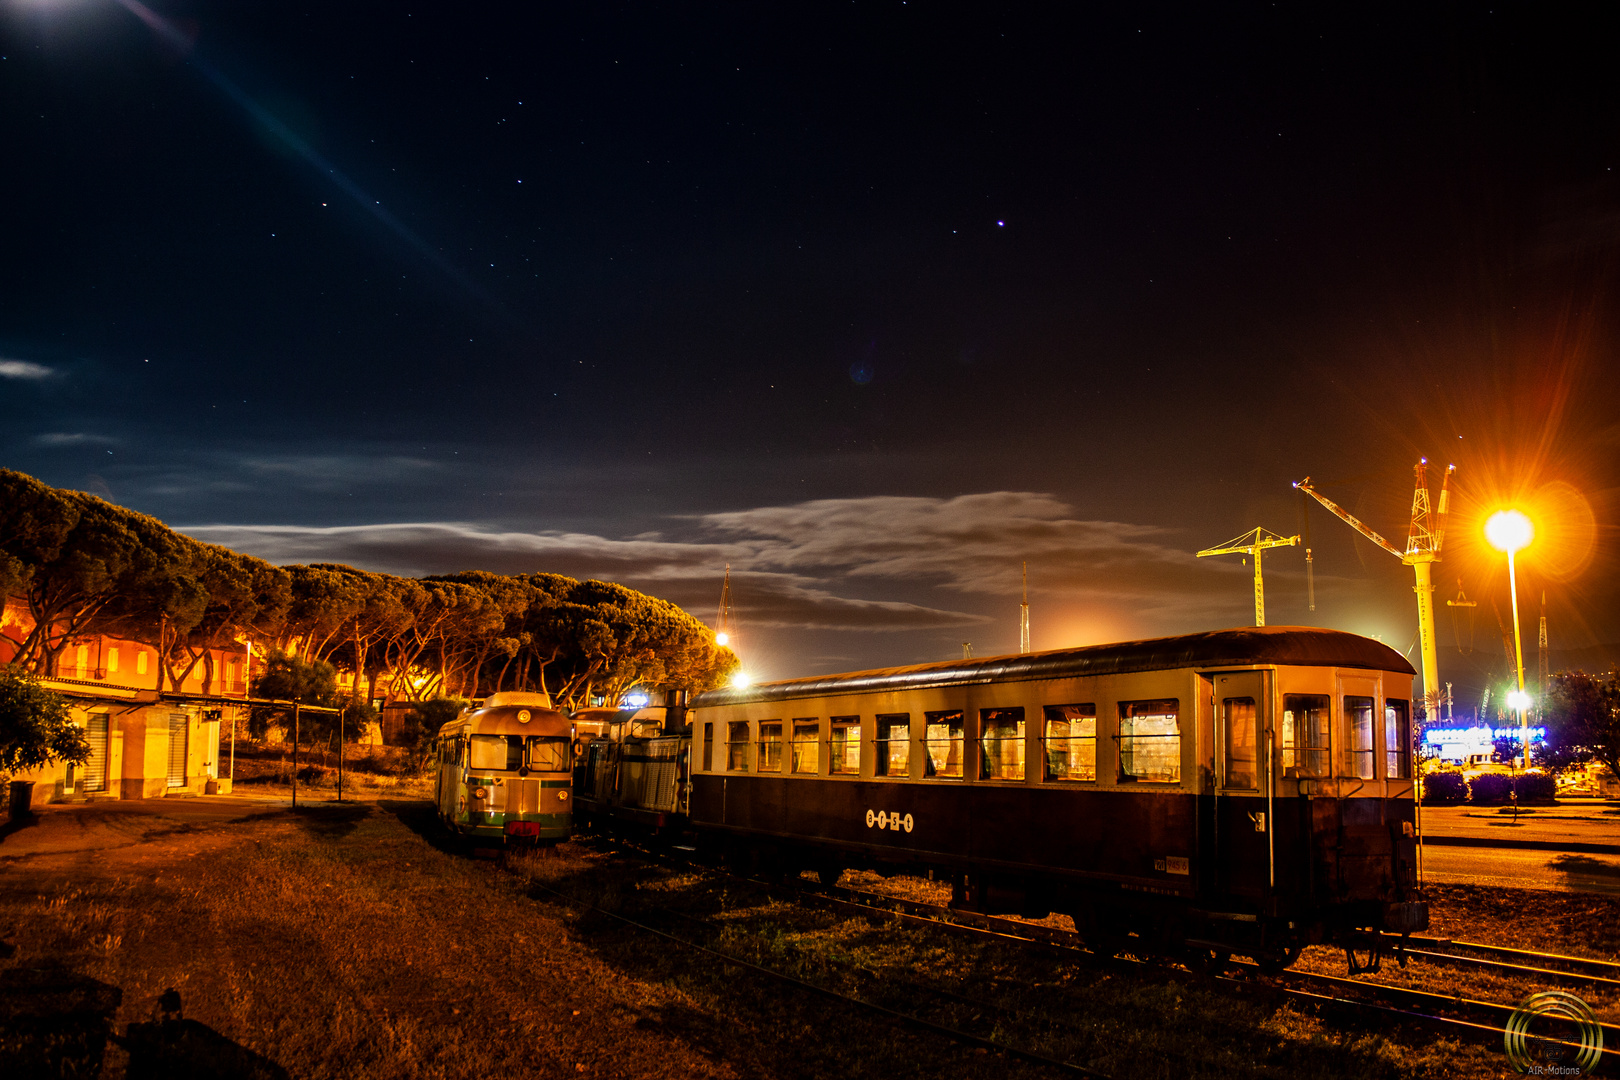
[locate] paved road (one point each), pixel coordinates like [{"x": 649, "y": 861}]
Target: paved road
[
  {"x": 1497, "y": 867},
  {"x": 1593, "y": 822}
]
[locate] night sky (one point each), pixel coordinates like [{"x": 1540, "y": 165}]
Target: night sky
[{"x": 873, "y": 301}]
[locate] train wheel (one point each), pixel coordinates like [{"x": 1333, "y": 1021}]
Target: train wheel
[
  {"x": 1277, "y": 962},
  {"x": 1208, "y": 961}
]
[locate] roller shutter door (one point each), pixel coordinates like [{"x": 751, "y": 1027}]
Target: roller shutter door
[
  {"x": 179, "y": 731},
  {"x": 95, "y": 770}
]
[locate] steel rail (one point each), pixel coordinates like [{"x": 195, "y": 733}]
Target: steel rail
[
  {"x": 974, "y": 924},
  {"x": 905, "y": 1019}
]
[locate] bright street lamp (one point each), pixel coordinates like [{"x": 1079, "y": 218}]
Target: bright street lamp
[{"x": 1510, "y": 531}]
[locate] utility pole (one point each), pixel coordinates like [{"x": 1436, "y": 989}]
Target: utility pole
[
  {"x": 1252, "y": 543},
  {"x": 722, "y": 622},
  {"x": 1541, "y": 673},
  {"x": 1424, "y": 538},
  {"x": 1023, "y": 620}
]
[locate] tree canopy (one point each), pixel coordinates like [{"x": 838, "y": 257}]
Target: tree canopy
[
  {"x": 1581, "y": 713},
  {"x": 82, "y": 566},
  {"x": 35, "y": 728}
]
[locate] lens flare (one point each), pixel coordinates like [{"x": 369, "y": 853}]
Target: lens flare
[{"x": 1509, "y": 530}]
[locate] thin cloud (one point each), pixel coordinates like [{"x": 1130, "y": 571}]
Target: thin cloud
[
  {"x": 814, "y": 565},
  {"x": 685, "y": 573},
  {"x": 24, "y": 369},
  {"x": 73, "y": 438}
]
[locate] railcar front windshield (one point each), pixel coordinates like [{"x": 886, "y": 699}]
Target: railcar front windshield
[
  {"x": 506, "y": 753},
  {"x": 549, "y": 754}
]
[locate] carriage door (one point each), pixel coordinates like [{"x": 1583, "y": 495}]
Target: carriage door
[{"x": 1240, "y": 804}]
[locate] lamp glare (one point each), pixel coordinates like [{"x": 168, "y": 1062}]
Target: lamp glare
[{"x": 1509, "y": 531}]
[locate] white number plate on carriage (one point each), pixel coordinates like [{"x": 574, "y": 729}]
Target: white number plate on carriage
[{"x": 882, "y": 819}]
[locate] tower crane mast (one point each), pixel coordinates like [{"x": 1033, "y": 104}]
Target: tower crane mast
[
  {"x": 1252, "y": 543},
  {"x": 1424, "y": 537}
]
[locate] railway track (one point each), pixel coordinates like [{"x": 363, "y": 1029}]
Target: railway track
[
  {"x": 1477, "y": 1021},
  {"x": 1524, "y": 963},
  {"x": 1480, "y": 1020}
]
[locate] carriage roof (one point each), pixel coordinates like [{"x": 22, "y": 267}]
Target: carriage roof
[
  {"x": 503, "y": 720},
  {"x": 1292, "y": 645}
]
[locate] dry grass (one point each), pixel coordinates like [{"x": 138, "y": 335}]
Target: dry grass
[{"x": 349, "y": 940}]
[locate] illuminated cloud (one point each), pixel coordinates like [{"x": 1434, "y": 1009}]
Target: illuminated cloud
[
  {"x": 73, "y": 438},
  {"x": 23, "y": 369},
  {"x": 816, "y": 565}
]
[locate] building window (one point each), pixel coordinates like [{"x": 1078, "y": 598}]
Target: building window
[
  {"x": 807, "y": 746},
  {"x": 737, "y": 746},
  {"x": 1150, "y": 741},
  {"x": 1305, "y": 735},
  {"x": 1237, "y": 716},
  {"x": 1001, "y": 744},
  {"x": 770, "y": 746},
  {"x": 844, "y": 746},
  {"x": 140, "y": 661},
  {"x": 81, "y": 658},
  {"x": 708, "y": 747},
  {"x": 112, "y": 659},
  {"x": 1071, "y": 742},
  {"x": 942, "y": 739},
  {"x": 894, "y": 745},
  {"x": 1358, "y": 722},
  {"x": 1397, "y": 740}
]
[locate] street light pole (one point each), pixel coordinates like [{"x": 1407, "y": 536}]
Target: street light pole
[{"x": 1509, "y": 531}]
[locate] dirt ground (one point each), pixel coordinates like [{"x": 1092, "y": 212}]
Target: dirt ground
[{"x": 354, "y": 940}]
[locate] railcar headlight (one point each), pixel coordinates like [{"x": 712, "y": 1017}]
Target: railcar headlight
[{"x": 562, "y": 796}]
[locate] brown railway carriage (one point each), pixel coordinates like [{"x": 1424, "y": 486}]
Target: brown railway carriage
[{"x": 1238, "y": 791}]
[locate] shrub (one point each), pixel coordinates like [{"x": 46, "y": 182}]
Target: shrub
[
  {"x": 1444, "y": 789},
  {"x": 1537, "y": 788},
  {"x": 1490, "y": 789}
]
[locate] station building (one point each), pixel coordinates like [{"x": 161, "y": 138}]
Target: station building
[{"x": 146, "y": 742}]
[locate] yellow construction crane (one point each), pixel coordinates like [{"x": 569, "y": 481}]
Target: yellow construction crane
[
  {"x": 1423, "y": 539},
  {"x": 1252, "y": 543}
]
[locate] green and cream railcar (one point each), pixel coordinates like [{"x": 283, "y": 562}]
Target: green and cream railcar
[{"x": 504, "y": 771}]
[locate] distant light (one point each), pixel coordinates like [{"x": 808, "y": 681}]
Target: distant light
[
  {"x": 722, "y": 638},
  {"x": 1518, "y": 699},
  {"x": 1002, "y": 224},
  {"x": 741, "y": 680},
  {"x": 636, "y": 701},
  {"x": 1509, "y": 531}
]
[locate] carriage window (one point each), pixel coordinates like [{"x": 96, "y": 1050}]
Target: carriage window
[
  {"x": 1237, "y": 714},
  {"x": 1397, "y": 740},
  {"x": 894, "y": 745},
  {"x": 844, "y": 746},
  {"x": 770, "y": 746},
  {"x": 1305, "y": 735},
  {"x": 708, "y": 747},
  {"x": 942, "y": 739},
  {"x": 1150, "y": 741},
  {"x": 807, "y": 746},
  {"x": 1001, "y": 744},
  {"x": 548, "y": 753},
  {"x": 1358, "y": 720},
  {"x": 496, "y": 752},
  {"x": 737, "y": 746},
  {"x": 1071, "y": 742}
]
